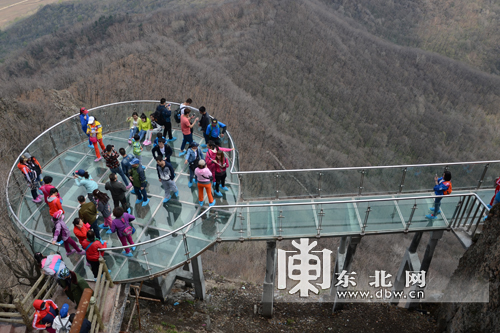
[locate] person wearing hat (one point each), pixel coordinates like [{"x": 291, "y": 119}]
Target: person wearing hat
[
  {"x": 84, "y": 120},
  {"x": 193, "y": 156},
  {"x": 111, "y": 157},
  {"x": 82, "y": 178},
  {"x": 45, "y": 313},
  {"x": 215, "y": 132},
  {"x": 94, "y": 129},
  {"x": 138, "y": 178},
  {"x": 62, "y": 230},
  {"x": 61, "y": 323},
  {"x": 204, "y": 176},
  {"x": 31, "y": 177},
  {"x": 72, "y": 284}
]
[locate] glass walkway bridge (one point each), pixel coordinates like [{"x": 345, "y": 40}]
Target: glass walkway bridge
[{"x": 260, "y": 205}]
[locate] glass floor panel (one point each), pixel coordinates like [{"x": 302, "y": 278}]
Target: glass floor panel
[{"x": 64, "y": 163}]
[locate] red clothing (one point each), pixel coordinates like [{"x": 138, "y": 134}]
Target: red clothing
[
  {"x": 54, "y": 205},
  {"x": 81, "y": 234},
  {"x": 27, "y": 172},
  {"x": 185, "y": 125},
  {"x": 45, "y": 314},
  {"x": 92, "y": 252},
  {"x": 46, "y": 190},
  {"x": 497, "y": 188},
  {"x": 210, "y": 156}
]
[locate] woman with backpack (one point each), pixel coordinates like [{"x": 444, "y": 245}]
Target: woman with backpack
[
  {"x": 94, "y": 129},
  {"x": 92, "y": 246},
  {"x": 31, "y": 177},
  {"x": 50, "y": 265},
  {"x": 82, "y": 178},
  {"x": 102, "y": 203},
  {"x": 84, "y": 121},
  {"x": 121, "y": 224},
  {"x": 61, "y": 233}
]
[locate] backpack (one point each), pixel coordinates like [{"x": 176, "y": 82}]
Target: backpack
[
  {"x": 449, "y": 190},
  {"x": 129, "y": 230},
  {"x": 177, "y": 115},
  {"x": 64, "y": 328},
  {"x": 212, "y": 129}
]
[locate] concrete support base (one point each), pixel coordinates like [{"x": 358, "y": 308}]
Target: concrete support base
[
  {"x": 192, "y": 274},
  {"x": 345, "y": 255},
  {"x": 268, "y": 293}
]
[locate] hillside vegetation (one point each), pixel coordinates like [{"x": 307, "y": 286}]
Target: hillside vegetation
[{"x": 291, "y": 77}]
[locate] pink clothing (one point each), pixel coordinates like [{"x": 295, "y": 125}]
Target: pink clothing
[
  {"x": 203, "y": 175},
  {"x": 210, "y": 156},
  {"x": 185, "y": 125},
  {"x": 46, "y": 190}
]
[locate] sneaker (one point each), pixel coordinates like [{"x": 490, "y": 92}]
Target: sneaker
[
  {"x": 432, "y": 209},
  {"x": 218, "y": 194},
  {"x": 190, "y": 184},
  {"x": 166, "y": 200},
  {"x": 98, "y": 159},
  {"x": 146, "y": 143},
  {"x": 145, "y": 203},
  {"x": 182, "y": 153},
  {"x": 143, "y": 167},
  {"x": 133, "y": 191},
  {"x": 82, "y": 252},
  {"x": 173, "y": 139},
  {"x": 109, "y": 231},
  {"x": 211, "y": 204},
  {"x": 224, "y": 188},
  {"x": 91, "y": 146},
  {"x": 129, "y": 211},
  {"x": 201, "y": 203},
  {"x": 431, "y": 217},
  {"x": 195, "y": 181},
  {"x": 138, "y": 201},
  {"x": 129, "y": 142},
  {"x": 489, "y": 206},
  {"x": 203, "y": 146},
  {"x": 133, "y": 248},
  {"x": 213, "y": 184},
  {"x": 127, "y": 254},
  {"x": 37, "y": 200},
  {"x": 176, "y": 194},
  {"x": 129, "y": 186},
  {"x": 68, "y": 253},
  {"x": 60, "y": 243},
  {"x": 103, "y": 226}
]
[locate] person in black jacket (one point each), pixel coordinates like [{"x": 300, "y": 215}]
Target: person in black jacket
[
  {"x": 166, "y": 177},
  {"x": 162, "y": 116},
  {"x": 204, "y": 122},
  {"x": 118, "y": 191},
  {"x": 163, "y": 150}
]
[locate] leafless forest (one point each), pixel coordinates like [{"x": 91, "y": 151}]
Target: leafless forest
[{"x": 305, "y": 80}]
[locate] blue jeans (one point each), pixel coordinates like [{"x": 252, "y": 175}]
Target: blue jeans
[
  {"x": 133, "y": 130},
  {"x": 141, "y": 194},
  {"x": 84, "y": 129},
  {"x": 437, "y": 205},
  {"x": 119, "y": 171},
  {"x": 141, "y": 135},
  {"x": 186, "y": 139}
]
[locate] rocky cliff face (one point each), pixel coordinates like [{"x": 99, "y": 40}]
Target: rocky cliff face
[{"x": 481, "y": 261}]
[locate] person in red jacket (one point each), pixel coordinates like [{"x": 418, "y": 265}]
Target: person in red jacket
[
  {"x": 81, "y": 228},
  {"x": 54, "y": 202},
  {"x": 92, "y": 246},
  {"x": 45, "y": 313},
  {"x": 47, "y": 187}
]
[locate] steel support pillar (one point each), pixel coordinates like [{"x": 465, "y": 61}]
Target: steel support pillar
[
  {"x": 342, "y": 263},
  {"x": 268, "y": 293}
]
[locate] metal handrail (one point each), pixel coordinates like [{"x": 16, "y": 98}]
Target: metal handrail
[{"x": 292, "y": 204}]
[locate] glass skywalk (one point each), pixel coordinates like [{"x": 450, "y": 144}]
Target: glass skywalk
[{"x": 260, "y": 205}]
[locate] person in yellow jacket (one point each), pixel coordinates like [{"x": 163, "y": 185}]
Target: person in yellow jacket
[
  {"x": 94, "y": 129},
  {"x": 144, "y": 126}
]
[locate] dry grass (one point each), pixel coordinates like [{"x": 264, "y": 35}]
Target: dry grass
[{"x": 13, "y": 10}]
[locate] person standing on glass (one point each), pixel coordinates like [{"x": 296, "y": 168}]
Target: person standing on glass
[
  {"x": 94, "y": 129},
  {"x": 138, "y": 178},
  {"x": 186, "y": 127},
  {"x": 204, "y": 122},
  {"x": 84, "y": 120},
  {"x": 215, "y": 131},
  {"x": 88, "y": 213},
  {"x": 111, "y": 157},
  {"x": 166, "y": 176},
  {"x": 442, "y": 187},
  {"x": 163, "y": 116}
]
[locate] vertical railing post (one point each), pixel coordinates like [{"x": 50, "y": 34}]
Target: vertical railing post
[
  {"x": 277, "y": 186},
  {"x": 480, "y": 182},
  {"x": 361, "y": 182},
  {"x": 280, "y": 229},
  {"x": 456, "y": 212},
  {"x": 368, "y": 210},
  {"x": 320, "y": 176},
  {"x": 320, "y": 222},
  {"x": 402, "y": 183},
  {"x": 242, "y": 218},
  {"x": 186, "y": 248},
  {"x": 411, "y": 217},
  {"x": 466, "y": 207}
]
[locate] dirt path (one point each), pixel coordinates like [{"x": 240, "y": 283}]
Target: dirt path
[{"x": 13, "y": 10}]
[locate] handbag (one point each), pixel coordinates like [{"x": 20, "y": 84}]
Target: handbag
[{"x": 93, "y": 139}]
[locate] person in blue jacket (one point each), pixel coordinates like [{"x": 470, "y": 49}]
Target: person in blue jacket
[
  {"x": 193, "y": 156},
  {"x": 215, "y": 131},
  {"x": 442, "y": 187},
  {"x": 84, "y": 119}
]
